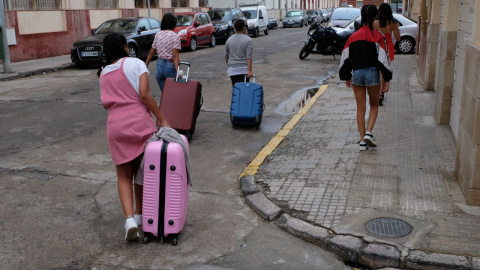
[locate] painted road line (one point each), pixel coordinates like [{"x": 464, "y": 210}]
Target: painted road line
[{"x": 252, "y": 168}]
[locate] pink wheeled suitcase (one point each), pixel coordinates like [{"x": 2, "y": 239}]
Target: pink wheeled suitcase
[{"x": 165, "y": 190}]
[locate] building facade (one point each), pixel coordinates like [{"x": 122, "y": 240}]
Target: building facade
[
  {"x": 46, "y": 28},
  {"x": 276, "y": 4},
  {"x": 449, "y": 64}
]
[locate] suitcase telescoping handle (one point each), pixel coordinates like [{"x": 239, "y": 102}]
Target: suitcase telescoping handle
[
  {"x": 251, "y": 79},
  {"x": 188, "y": 70}
]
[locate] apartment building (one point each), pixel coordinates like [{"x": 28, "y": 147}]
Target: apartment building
[{"x": 45, "y": 28}]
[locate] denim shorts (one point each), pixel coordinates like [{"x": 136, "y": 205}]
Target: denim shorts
[{"x": 366, "y": 77}]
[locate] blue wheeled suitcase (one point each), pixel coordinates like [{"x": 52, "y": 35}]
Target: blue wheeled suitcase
[{"x": 247, "y": 105}]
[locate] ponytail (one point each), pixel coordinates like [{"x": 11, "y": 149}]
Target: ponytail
[
  {"x": 369, "y": 14},
  {"x": 113, "y": 49}
]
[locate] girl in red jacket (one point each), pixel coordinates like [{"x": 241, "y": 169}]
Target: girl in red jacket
[{"x": 363, "y": 57}]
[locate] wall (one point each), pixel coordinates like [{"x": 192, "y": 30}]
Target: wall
[
  {"x": 432, "y": 44},
  {"x": 445, "y": 65},
  {"x": 37, "y": 22},
  {"x": 467, "y": 169},
  {"x": 98, "y": 16},
  {"x": 41, "y": 44}
]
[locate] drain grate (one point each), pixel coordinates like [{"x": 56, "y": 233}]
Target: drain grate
[{"x": 388, "y": 227}]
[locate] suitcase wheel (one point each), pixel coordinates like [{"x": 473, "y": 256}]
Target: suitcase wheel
[
  {"x": 188, "y": 135},
  {"x": 175, "y": 241},
  {"x": 147, "y": 237}
]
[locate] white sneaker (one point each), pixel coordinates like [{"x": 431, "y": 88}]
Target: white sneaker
[
  {"x": 131, "y": 229},
  {"x": 370, "y": 140},
  {"x": 138, "y": 219},
  {"x": 363, "y": 146}
]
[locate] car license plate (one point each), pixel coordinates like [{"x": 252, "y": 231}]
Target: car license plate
[{"x": 83, "y": 54}]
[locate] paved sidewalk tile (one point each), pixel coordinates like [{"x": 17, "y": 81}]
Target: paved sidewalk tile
[{"x": 319, "y": 173}]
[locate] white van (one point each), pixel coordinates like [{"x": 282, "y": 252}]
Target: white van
[{"x": 257, "y": 19}]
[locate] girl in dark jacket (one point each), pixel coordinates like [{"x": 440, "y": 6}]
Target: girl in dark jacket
[{"x": 365, "y": 55}]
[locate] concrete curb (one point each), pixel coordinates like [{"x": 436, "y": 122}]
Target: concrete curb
[
  {"x": 371, "y": 253},
  {"x": 17, "y": 75}
]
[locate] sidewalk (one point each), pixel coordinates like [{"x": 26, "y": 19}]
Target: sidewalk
[
  {"x": 397, "y": 205},
  {"x": 36, "y": 67}
]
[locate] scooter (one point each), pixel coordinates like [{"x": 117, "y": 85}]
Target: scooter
[{"x": 326, "y": 40}]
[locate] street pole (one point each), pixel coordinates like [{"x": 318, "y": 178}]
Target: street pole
[
  {"x": 6, "y": 52},
  {"x": 148, "y": 5}
]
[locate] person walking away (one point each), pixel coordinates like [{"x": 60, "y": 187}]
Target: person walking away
[
  {"x": 387, "y": 25},
  {"x": 167, "y": 46},
  {"x": 125, "y": 94},
  {"x": 365, "y": 55},
  {"x": 238, "y": 53}
]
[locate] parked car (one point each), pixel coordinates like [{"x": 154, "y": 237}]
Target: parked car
[
  {"x": 408, "y": 34},
  {"x": 295, "y": 17},
  {"x": 315, "y": 14},
  {"x": 139, "y": 32},
  {"x": 351, "y": 26},
  {"x": 195, "y": 28},
  {"x": 257, "y": 18},
  {"x": 341, "y": 16},
  {"x": 325, "y": 14},
  {"x": 222, "y": 20},
  {"x": 272, "y": 23},
  {"x": 329, "y": 10}
]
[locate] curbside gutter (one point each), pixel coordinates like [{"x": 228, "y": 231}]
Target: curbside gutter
[
  {"x": 17, "y": 75},
  {"x": 355, "y": 249}
]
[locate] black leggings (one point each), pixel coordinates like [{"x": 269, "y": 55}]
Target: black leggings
[{"x": 239, "y": 78}]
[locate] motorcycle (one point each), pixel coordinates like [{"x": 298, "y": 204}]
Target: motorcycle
[{"x": 326, "y": 40}]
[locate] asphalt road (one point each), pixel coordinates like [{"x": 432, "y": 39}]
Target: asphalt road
[{"x": 59, "y": 207}]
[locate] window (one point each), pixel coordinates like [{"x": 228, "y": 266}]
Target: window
[
  {"x": 34, "y": 4},
  {"x": 180, "y": 3},
  {"x": 143, "y": 25},
  {"x": 98, "y": 4},
  {"x": 204, "y": 19},
  {"x": 184, "y": 20},
  {"x": 144, "y": 3},
  {"x": 154, "y": 23},
  {"x": 202, "y": 3},
  {"x": 198, "y": 20}
]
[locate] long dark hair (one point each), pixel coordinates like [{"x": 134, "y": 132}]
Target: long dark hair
[
  {"x": 113, "y": 48},
  {"x": 385, "y": 16},
  {"x": 369, "y": 13}
]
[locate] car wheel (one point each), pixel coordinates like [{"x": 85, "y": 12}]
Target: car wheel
[
  {"x": 193, "y": 44},
  {"x": 213, "y": 41},
  {"x": 256, "y": 33},
  {"x": 301, "y": 23},
  {"x": 266, "y": 31},
  {"x": 132, "y": 51},
  {"x": 406, "y": 45}
]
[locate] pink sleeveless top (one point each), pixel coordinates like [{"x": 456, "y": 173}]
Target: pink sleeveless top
[{"x": 129, "y": 123}]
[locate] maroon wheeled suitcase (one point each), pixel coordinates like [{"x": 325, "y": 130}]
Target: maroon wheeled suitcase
[{"x": 181, "y": 102}]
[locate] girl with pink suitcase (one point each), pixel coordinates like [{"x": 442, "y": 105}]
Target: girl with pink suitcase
[{"x": 125, "y": 93}]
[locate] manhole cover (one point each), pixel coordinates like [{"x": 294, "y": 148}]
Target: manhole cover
[{"x": 388, "y": 227}]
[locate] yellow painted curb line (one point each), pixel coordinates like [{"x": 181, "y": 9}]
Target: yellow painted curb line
[{"x": 252, "y": 168}]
